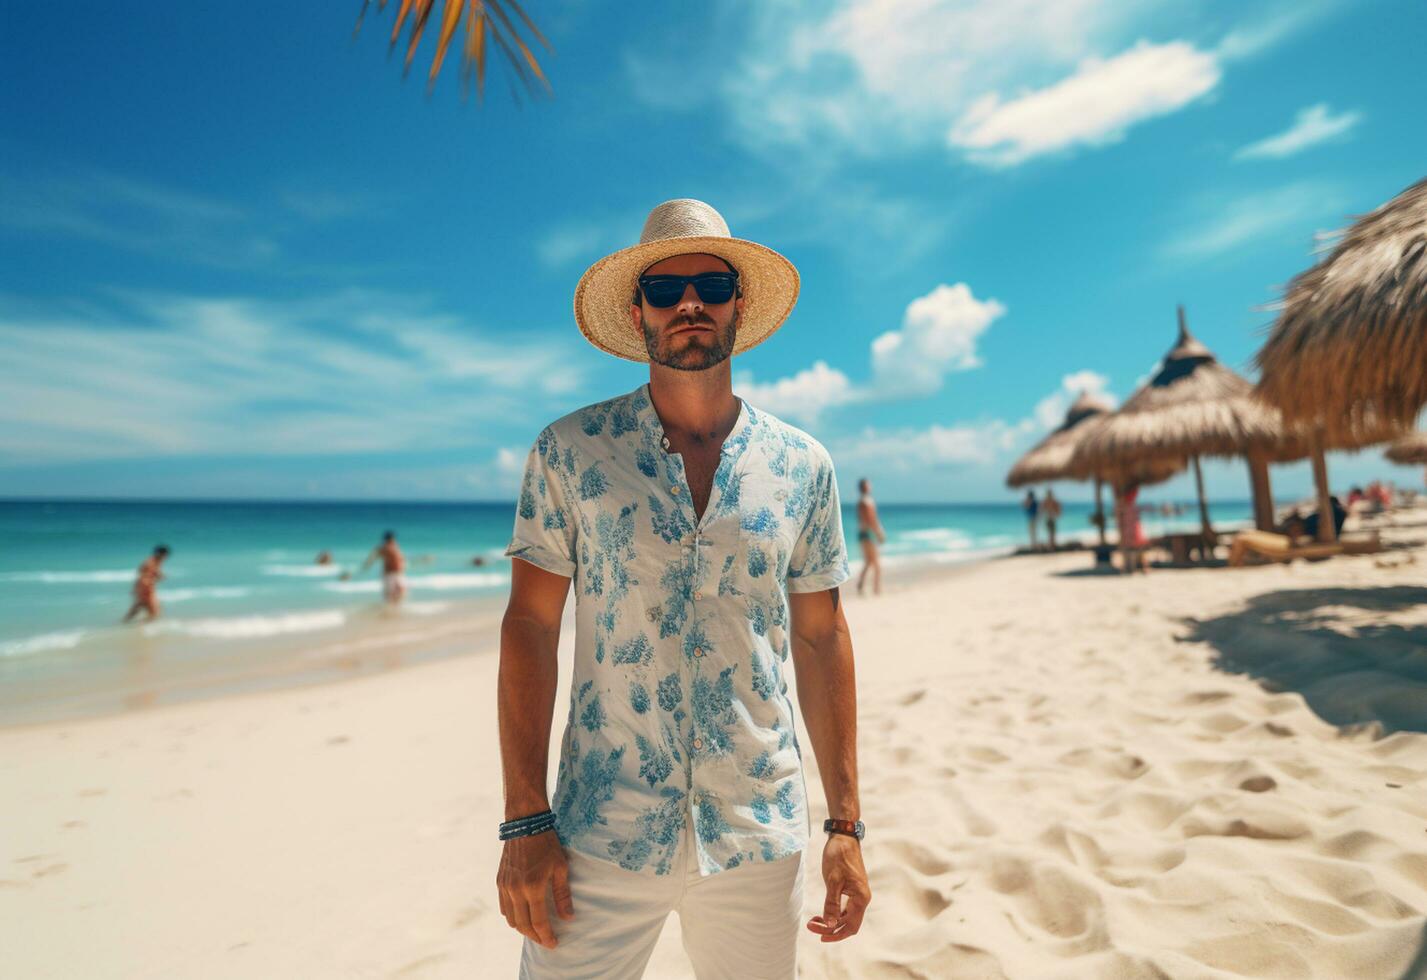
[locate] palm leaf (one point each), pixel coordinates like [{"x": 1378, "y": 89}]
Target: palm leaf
[{"x": 487, "y": 21}]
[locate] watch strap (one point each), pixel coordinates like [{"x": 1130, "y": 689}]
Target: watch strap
[{"x": 852, "y": 828}]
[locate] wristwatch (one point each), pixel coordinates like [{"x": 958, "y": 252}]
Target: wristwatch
[{"x": 852, "y": 828}]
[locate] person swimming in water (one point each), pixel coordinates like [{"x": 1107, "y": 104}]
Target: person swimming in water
[{"x": 868, "y": 525}]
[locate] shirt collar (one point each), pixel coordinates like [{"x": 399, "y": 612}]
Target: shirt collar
[{"x": 649, "y": 420}]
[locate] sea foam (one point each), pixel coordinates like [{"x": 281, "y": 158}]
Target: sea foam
[
  {"x": 65, "y": 640},
  {"x": 68, "y": 578},
  {"x": 247, "y": 627},
  {"x": 449, "y": 582}
]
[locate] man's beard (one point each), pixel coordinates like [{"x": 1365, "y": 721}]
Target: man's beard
[{"x": 696, "y": 355}]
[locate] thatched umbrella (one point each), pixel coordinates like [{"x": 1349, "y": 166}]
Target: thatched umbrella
[
  {"x": 1349, "y": 347},
  {"x": 1049, "y": 459},
  {"x": 1409, "y": 450},
  {"x": 1193, "y": 406}
]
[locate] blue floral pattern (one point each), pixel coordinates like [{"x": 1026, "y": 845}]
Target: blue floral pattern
[{"x": 679, "y": 706}]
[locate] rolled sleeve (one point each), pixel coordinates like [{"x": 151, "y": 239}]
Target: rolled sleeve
[
  {"x": 544, "y": 532},
  {"x": 819, "y": 558}
]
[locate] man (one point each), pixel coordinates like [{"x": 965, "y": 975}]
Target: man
[
  {"x": 146, "y": 585},
  {"x": 1031, "y": 507},
  {"x": 704, "y": 542},
  {"x": 1051, "y": 506},
  {"x": 393, "y": 568},
  {"x": 868, "y": 524}
]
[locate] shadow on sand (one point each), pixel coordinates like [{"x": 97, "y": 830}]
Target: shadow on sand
[{"x": 1356, "y": 655}]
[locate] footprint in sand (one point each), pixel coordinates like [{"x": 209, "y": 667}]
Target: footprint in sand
[
  {"x": 913, "y": 698},
  {"x": 467, "y": 915},
  {"x": 1258, "y": 784},
  {"x": 1206, "y": 697},
  {"x": 416, "y": 966},
  {"x": 339, "y": 740},
  {"x": 49, "y": 869},
  {"x": 93, "y": 792},
  {"x": 918, "y": 857},
  {"x": 1223, "y": 722}
]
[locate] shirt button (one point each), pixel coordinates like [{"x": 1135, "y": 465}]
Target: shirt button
[
  {"x": 674, "y": 490},
  {"x": 664, "y": 442},
  {"x": 698, "y": 743},
  {"x": 698, "y": 595},
  {"x": 698, "y": 651}
]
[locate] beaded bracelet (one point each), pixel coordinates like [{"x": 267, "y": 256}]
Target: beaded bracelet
[{"x": 536, "y": 823}]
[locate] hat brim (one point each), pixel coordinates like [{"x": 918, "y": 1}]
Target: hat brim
[{"x": 602, "y": 298}]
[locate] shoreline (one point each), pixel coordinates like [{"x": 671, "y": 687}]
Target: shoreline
[{"x": 467, "y": 627}]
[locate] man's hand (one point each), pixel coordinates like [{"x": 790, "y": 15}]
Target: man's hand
[
  {"x": 529, "y": 866},
  {"x": 845, "y": 877}
]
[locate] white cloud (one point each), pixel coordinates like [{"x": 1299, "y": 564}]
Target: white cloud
[
  {"x": 1313, "y": 125},
  {"x": 1238, "y": 221},
  {"x": 508, "y": 461},
  {"x": 1050, "y": 410},
  {"x": 875, "y": 74},
  {"x": 1272, "y": 27},
  {"x": 933, "y": 447},
  {"x": 840, "y": 79},
  {"x": 938, "y": 335},
  {"x": 802, "y": 397},
  {"x": 134, "y": 215},
  {"x": 347, "y": 372},
  {"x": 1094, "y": 106}
]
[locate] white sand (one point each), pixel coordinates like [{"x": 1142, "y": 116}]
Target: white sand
[{"x": 1058, "y": 778}]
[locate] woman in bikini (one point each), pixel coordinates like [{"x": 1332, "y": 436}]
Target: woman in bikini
[{"x": 868, "y": 525}]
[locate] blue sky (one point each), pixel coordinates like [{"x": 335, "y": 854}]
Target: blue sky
[{"x": 243, "y": 258}]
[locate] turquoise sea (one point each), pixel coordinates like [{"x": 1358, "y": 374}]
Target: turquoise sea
[{"x": 242, "y": 583}]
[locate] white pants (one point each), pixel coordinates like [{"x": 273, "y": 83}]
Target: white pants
[{"x": 739, "y": 924}]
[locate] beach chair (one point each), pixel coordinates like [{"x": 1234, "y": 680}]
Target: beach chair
[{"x": 1268, "y": 546}]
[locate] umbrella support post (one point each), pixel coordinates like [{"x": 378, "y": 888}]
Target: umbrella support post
[
  {"x": 1263, "y": 492},
  {"x": 1100, "y": 509},
  {"x": 1327, "y": 533},
  {"x": 1203, "y": 507}
]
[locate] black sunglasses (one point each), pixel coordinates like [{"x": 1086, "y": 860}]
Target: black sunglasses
[{"x": 662, "y": 292}]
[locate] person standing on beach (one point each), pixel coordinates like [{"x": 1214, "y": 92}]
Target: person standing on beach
[
  {"x": 1051, "y": 506},
  {"x": 393, "y": 568},
  {"x": 1132, "y": 534},
  {"x": 146, "y": 585},
  {"x": 1031, "y": 507},
  {"x": 868, "y": 524},
  {"x": 704, "y": 541}
]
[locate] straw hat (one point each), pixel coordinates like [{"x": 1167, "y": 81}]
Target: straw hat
[{"x": 769, "y": 281}]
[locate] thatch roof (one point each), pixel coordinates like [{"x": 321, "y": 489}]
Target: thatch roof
[
  {"x": 1351, "y": 340},
  {"x": 1049, "y": 459},
  {"x": 1409, "y": 450},
  {"x": 1192, "y": 406}
]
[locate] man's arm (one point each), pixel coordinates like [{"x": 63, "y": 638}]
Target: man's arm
[
  {"x": 827, "y": 692},
  {"x": 529, "y": 674},
  {"x": 530, "y": 867}
]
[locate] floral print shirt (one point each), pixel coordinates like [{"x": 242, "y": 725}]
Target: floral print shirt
[{"x": 678, "y": 699}]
